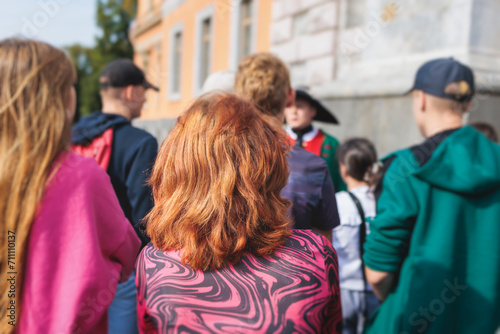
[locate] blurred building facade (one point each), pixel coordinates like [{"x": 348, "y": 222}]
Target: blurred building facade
[
  {"x": 179, "y": 43},
  {"x": 358, "y": 56}
]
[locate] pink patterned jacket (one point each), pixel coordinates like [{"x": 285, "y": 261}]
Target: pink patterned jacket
[{"x": 296, "y": 290}]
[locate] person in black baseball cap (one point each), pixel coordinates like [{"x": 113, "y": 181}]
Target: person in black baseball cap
[
  {"x": 437, "y": 212},
  {"x": 133, "y": 152},
  {"x": 442, "y": 94},
  {"x": 301, "y": 131},
  {"x": 122, "y": 73},
  {"x": 123, "y": 86}
]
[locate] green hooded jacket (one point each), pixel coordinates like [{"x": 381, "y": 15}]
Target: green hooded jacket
[{"x": 438, "y": 228}]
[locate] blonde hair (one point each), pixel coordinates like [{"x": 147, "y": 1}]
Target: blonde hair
[
  {"x": 34, "y": 129},
  {"x": 442, "y": 104},
  {"x": 217, "y": 183},
  {"x": 264, "y": 79}
]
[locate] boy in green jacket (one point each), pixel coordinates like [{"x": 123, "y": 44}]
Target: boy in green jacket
[
  {"x": 433, "y": 254},
  {"x": 302, "y": 133}
]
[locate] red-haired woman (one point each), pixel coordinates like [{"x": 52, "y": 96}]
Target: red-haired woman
[{"x": 222, "y": 257}]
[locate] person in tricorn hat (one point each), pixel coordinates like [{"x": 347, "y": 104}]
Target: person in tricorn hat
[
  {"x": 432, "y": 255},
  {"x": 133, "y": 152},
  {"x": 302, "y": 133}
]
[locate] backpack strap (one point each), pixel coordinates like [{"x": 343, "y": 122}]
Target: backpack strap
[
  {"x": 362, "y": 238},
  {"x": 99, "y": 148}
]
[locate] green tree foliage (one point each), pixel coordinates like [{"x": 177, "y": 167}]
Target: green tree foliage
[
  {"x": 113, "y": 20},
  {"x": 81, "y": 57}
]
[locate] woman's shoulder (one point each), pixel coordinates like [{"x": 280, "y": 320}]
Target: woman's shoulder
[
  {"x": 363, "y": 193},
  {"x": 150, "y": 253},
  {"x": 345, "y": 205},
  {"x": 154, "y": 263},
  {"x": 72, "y": 168},
  {"x": 305, "y": 240},
  {"x": 329, "y": 139},
  {"x": 342, "y": 196},
  {"x": 306, "y": 248},
  {"x": 305, "y": 233}
]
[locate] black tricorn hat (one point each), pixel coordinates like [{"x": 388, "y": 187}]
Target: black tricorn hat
[{"x": 322, "y": 114}]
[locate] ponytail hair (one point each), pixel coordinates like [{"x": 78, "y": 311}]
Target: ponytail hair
[{"x": 359, "y": 157}]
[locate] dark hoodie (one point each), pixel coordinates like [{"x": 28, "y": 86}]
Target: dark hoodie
[
  {"x": 438, "y": 228},
  {"x": 132, "y": 156}
]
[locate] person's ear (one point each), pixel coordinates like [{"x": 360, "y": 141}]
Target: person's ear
[
  {"x": 290, "y": 100},
  {"x": 128, "y": 92},
  {"x": 423, "y": 101},
  {"x": 469, "y": 106},
  {"x": 314, "y": 111},
  {"x": 71, "y": 104},
  {"x": 343, "y": 171}
]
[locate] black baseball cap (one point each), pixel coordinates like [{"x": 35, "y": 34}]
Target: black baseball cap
[
  {"x": 446, "y": 78},
  {"x": 123, "y": 73},
  {"x": 322, "y": 113}
]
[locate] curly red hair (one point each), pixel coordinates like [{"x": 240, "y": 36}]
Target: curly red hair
[{"x": 217, "y": 183}]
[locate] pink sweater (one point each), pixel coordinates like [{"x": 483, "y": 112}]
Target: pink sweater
[{"x": 80, "y": 247}]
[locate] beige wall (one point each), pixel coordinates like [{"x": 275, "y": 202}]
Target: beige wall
[{"x": 154, "y": 42}]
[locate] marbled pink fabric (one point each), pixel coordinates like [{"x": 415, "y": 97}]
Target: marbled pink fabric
[
  {"x": 293, "y": 291},
  {"x": 80, "y": 246}
]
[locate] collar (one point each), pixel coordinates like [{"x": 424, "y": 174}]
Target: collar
[
  {"x": 307, "y": 137},
  {"x": 424, "y": 151},
  {"x": 360, "y": 189}
]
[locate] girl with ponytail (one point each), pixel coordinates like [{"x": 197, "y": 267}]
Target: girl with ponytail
[
  {"x": 359, "y": 170},
  {"x": 64, "y": 241}
]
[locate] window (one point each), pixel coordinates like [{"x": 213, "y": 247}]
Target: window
[
  {"x": 205, "y": 49},
  {"x": 175, "y": 62},
  {"x": 145, "y": 61},
  {"x": 145, "y": 69},
  {"x": 157, "y": 73},
  {"x": 356, "y": 13},
  {"x": 246, "y": 16},
  {"x": 149, "y": 5},
  {"x": 300, "y": 24},
  {"x": 243, "y": 31}
]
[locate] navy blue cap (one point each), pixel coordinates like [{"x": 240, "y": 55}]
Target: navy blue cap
[
  {"x": 446, "y": 78},
  {"x": 122, "y": 73}
]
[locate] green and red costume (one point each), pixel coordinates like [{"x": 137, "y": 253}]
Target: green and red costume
[{"x": 325, "y": 146}]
